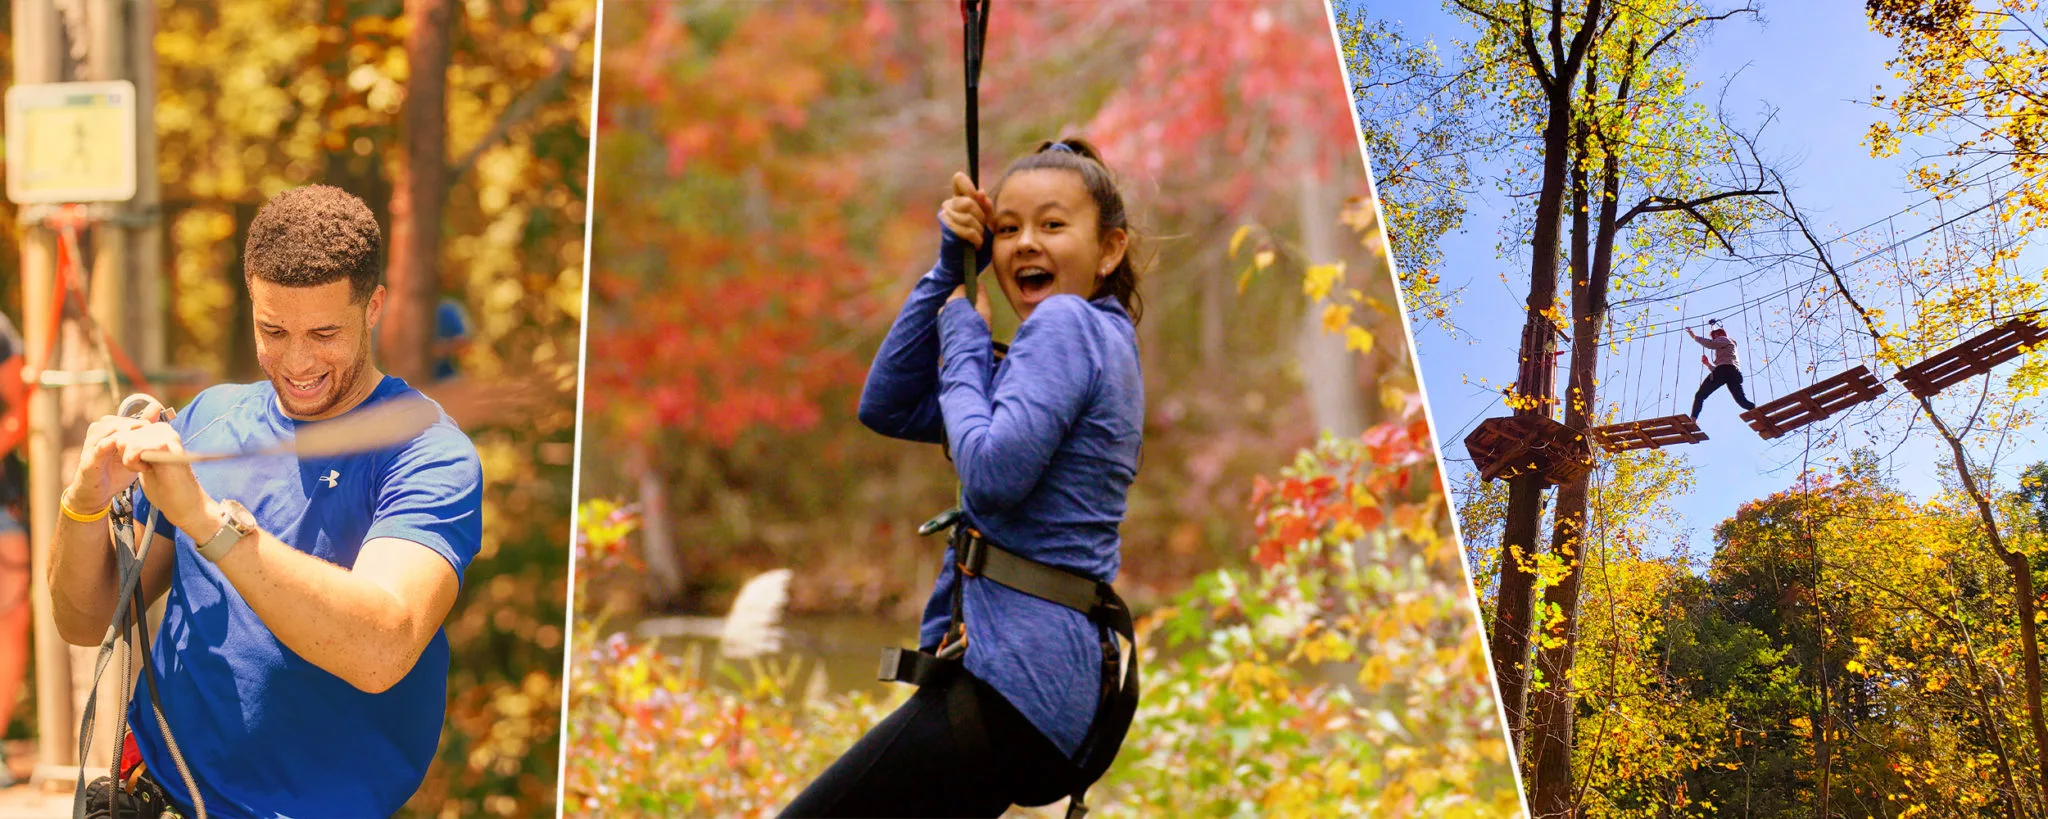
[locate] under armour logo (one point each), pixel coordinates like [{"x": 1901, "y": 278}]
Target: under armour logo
[{"x": 331, "y": 476}]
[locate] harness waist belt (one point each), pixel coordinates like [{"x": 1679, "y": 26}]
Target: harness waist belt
[{"x": 980, "y": 558}]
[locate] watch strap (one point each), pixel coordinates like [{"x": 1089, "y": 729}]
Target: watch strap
[
  {"x": 217, "y": 547},
  {"x": 223, "y": 540}
]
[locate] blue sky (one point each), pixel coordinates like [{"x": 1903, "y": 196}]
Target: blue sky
[{"x": 1815, "y": 63}]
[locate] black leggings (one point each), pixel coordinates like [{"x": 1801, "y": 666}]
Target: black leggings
[
  {"x": 912, "y": 765},
  {"x": 1724, "y": 374}
]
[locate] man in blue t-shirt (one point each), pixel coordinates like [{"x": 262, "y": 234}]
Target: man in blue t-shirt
[{"x": 301, "y": 662}]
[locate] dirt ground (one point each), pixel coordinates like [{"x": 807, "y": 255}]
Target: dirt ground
[{"x": 25, "y": 801}]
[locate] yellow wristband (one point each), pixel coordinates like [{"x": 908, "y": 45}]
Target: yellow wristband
[{"x": 66, "y": 508}]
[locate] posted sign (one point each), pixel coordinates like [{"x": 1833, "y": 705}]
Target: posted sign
[{"x": 71, "y": 142}]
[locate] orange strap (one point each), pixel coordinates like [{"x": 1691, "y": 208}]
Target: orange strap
[{"x": 70, "y": 284}]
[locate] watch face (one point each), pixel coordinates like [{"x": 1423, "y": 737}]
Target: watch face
[{"x": 240, "y": 517}]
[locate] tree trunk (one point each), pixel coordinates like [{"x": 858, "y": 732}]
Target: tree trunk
[
  {"x": 657, "y": 548},
  {"x": 1512, "y": 615},
  {"x": 418, "y": 195},
  {"x": 241, "y": 357},
  {"x": 1328, "y": 368},
  {"x": 1510, "y": 643},
  {"x": 1511, "y": 610},
  {"x": 1552, "y": 708},
  {"x": 1987, "y": 712}
]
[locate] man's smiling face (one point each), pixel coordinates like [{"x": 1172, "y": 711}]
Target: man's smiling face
[{"x": 314, "y": 344}]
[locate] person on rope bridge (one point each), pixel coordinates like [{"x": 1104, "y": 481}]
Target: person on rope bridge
[
  {"x": 1723, "y": 370},
  {"x": 301, "y": 661},
  {"x": 1045, "y": 442}
]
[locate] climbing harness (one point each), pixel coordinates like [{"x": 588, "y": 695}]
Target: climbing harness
[
  {"x": 976, "y": 557},
  {"x": 129, "y": 620}
]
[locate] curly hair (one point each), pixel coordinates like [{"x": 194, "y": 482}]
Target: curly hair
[{"x": 314, "y": 235}]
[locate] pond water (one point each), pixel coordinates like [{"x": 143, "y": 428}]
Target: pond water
[{"x": 846, "y": 648}]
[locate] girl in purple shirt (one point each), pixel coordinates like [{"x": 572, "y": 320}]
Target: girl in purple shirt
[{"x": 1045, "y": 442}]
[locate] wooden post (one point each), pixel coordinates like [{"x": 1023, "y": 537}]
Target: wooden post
[
  {"x": 1329, "y": 370},
  {"x": 37, "y": 47},
  {"x": 419, "y": 195},
  {"x": 148, "y": 340},
  {"x": 121, "y": 255}
]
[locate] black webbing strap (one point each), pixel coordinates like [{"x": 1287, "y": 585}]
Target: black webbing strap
[
  {"x": 974, "y": 34},
  {"x": 919, "y": 668},
  {"x": 980, "y": 558},
  {"x": 130, "y": 618},
  {"x": 128, "y": 563},
  {"x": 975, "y": 556}
]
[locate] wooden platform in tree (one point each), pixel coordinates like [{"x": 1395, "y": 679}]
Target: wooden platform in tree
[
  {"x": 1974, "y": 356},
  {"x": 1649, "y": 433},
  {"x": 1509, "y": 447},
  {"x": 1814, "y": 403}
]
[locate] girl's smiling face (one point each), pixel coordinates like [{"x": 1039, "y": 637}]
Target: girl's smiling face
[{"x": 1048, "y": 239}]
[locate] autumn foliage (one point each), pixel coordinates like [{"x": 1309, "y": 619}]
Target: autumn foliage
[{"x": 1340, "y": 673}]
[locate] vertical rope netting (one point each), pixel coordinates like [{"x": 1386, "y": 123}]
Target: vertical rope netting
[
  {"x": 1899, "y": 277},
  {"x": 1680, "y": 399},
  {"x": 1630, "y": 382},
  {"x": 1759, "y": 364},
  {"x": 1642, "y": 359}
]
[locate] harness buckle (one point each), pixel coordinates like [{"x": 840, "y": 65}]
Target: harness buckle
[{"x": 973, "y": 553}]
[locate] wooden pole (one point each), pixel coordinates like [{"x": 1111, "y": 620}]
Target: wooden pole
[
  {"x": 37, "y": 46},
  {"x": 148, "y": 342},
  {"x": 111, "y": 300}
]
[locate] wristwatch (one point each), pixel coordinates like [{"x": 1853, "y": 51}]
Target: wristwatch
[{"x": 235, "y": 523}]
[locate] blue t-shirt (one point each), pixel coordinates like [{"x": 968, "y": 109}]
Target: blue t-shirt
[
  {"x": 1046, "y": 445},
  {"x": 265, "y": 732}
]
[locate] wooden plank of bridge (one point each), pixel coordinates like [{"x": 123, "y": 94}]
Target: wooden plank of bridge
[
  {"x": 1511, "y": 446},
  {"x": 1814, "y": 403},
  {"x": 1649, "y": 433},
  {"x": 1973, "y": 356}
]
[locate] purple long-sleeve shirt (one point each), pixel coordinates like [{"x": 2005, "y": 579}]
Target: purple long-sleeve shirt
[
  {"x": 1046, "y": 446},
  {"x": 1724, "y": 348}
]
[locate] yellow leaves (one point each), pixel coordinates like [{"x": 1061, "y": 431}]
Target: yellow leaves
[
  {"x": 1374, "y": 673},
  {"x": 1318, "y": 279},
  {"x": 1328, "y": 645},
  {"x": 1336, "y": 317},
  {"x": 1255, "y": 678},
  {"x": 1358, "y": 338},
  {"x": 603, "y": 527},
  {"x": 1347, "y": 530},
  {"x": 1237, "y": 239}
]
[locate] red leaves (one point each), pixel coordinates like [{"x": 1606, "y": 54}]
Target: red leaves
[{"x": 1348, "y": 490}]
